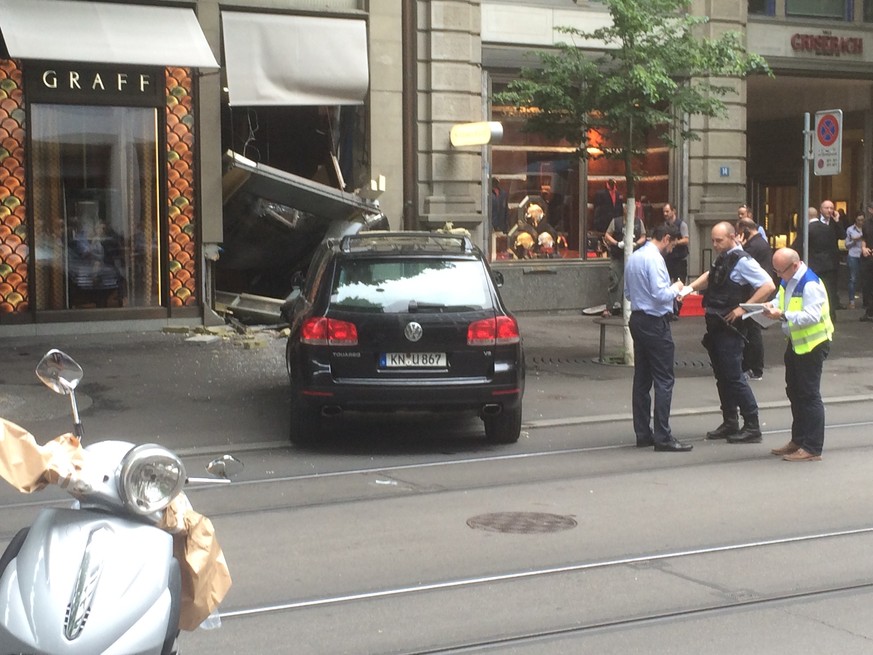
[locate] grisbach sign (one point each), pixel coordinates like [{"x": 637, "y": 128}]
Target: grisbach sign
[
  {"x": 104, "y": 85},
  {"x": 827, "y": 44}
]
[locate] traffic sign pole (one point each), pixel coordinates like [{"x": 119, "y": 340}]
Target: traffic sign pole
[{"x": 803, "y": 217}]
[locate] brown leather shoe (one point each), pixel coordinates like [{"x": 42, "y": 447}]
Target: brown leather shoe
[
  {"x": 800, "y": 455},
  {"x": 787, "y": 449}
]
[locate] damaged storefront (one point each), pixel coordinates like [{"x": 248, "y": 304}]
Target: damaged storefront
[
  {"x": 136, "y": 140},
  {"x": 292, "y": 132},
  {"x": 99, "y": 208}
]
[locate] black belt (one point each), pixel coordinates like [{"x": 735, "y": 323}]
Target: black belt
[{"x": 640, "y": 312}]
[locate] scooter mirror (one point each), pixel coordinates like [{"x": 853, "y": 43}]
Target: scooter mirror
[
  {"x": 225, "y": 467},
  {"x": 59, "y": 372}
]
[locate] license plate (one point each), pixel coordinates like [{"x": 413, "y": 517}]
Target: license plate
[{"x": 413, "y": 360}]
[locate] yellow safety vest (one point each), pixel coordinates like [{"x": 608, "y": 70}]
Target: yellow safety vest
[{"x": 804, "y": 339}]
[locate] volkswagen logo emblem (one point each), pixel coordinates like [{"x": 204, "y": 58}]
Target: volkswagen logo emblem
[{"x": 412, "y": 331}]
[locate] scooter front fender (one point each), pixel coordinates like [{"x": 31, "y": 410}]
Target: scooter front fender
[{"x": 89, "y": 582}]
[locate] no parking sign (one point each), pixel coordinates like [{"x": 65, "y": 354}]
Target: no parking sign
[{"x": 827, "y": 142}]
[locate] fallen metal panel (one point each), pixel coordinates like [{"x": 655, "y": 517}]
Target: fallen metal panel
[
  {"x": 293, "y": 191},
  {"x": 274, "y": 220}
]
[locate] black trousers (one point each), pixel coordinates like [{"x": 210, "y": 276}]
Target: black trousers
[
  {"x": 653, "y": 367},
  {"x": 753, "y": 352},
  {"x": 867, "y": 283},
  {"x": 725, "y": 346},
  {"x": 829, "y": 279},
  {"x": 803, "y": 387}
]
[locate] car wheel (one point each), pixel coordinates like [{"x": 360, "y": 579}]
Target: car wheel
[
  {"x": 505, "y": 427},
  {"x": 305, "y": 422}
]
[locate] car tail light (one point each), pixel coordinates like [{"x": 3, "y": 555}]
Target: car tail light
[
  {"x": 321, "y": 331},
  {"x": 493, "y": 331}
]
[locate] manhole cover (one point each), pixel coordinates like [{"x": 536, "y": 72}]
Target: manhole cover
[{"x": 522, "y": 522}]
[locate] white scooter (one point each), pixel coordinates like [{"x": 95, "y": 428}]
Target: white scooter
[{"x": 100, "y": 577}]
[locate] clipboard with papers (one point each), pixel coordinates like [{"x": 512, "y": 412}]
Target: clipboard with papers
[{"x": 755, "y": 311}]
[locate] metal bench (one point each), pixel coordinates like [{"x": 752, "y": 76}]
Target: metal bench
[{"x": 604, "y": 322}]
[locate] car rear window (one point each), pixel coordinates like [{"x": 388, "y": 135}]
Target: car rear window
[{"x": 409, "y": 285}]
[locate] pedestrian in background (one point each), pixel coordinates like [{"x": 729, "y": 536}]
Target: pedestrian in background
[
  {"x": 614, "y": 240},
  {"x": 823, "y": 252},
  {"x": 677, "y": 259},
  {"x": 651, "y": 293},
  {"x": 743, "y": 211},
  {"x": 802, "y": 307},
  {"x": 754, "y": 244},
  {"x": 867, "y": 264},
  {"x": 854, "y": 239},
  {"x": 733, "y": 278}
]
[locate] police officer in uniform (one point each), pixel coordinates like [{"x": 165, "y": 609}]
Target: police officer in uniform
[{"x": 734, "y": 278}]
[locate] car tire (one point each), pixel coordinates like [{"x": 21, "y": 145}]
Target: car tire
[
  {"x": 505, "y": 427},
  {"x": 305, "y": 422}
]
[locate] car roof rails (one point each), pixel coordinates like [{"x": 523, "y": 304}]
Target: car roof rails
[{"x": 394, "y": 242}]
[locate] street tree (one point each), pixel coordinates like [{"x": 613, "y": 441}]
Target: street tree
[{"x": 652, "y": 71}]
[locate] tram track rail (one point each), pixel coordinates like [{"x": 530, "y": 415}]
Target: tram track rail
[
  {"x": 387, "y": 471},
  {"x": 530, "y": 637},
  {"x": 555, "y": 570}
]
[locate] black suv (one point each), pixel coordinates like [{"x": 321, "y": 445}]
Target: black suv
[{"x": 402, "y": 320}]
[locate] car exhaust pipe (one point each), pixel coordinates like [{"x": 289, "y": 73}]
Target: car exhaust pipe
[
  {"x": 492, "y": 409},
  {"x": 331, "y": 410}
]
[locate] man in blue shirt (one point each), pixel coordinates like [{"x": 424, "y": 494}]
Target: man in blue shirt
[
  {"x": 734, "y": 278},
  {"x": 647, "y": 286}
]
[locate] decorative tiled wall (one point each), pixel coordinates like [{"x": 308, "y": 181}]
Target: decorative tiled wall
[
  {"x": 180, "y": 188},
  {"x": 14, "y": 251}
]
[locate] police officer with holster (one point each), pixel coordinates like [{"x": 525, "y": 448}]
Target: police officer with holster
[{"x": 734, "y": 278}]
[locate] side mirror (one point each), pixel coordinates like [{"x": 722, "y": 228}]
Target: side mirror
[
  {"x": 225, "y": 467},
  {"x": 297, "y": 280},
  {"x": 497, "y": 276},
  {"x": 59, "y": 372}
]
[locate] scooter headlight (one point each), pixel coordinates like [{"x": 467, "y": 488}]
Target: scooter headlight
[{"x": 151, "y": 476}]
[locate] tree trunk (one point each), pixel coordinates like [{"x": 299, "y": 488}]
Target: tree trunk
[{"x": 630, "y": 210}]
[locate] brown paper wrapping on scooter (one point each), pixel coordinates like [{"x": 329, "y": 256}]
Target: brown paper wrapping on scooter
[
  {"x": 205, "y": 577},
  {"x": 29, "y": 467}
]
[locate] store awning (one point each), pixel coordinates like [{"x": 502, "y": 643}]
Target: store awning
[
  {"x": 284, "y": 60},
  {"x": 100, "y": 32}
]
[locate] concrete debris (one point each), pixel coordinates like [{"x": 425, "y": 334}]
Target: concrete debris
[{"x": 203, "y": 338}]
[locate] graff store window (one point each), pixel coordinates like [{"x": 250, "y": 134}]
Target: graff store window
[{"x": 95, "y": 206}]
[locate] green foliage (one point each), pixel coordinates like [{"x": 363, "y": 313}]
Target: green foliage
[{"x": 654, "y": 68}]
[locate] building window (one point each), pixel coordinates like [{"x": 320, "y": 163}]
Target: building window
[
  {"x": 835, "y": 9},
  {"x": 96, "y": 218},
  {"x": 762, "y": 7},
  {"x": 868, "y": 11}
]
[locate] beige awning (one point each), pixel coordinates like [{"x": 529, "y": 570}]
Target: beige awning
[
  {"x": 100, "y": 32},
  {"x": 285, "y": 60}
]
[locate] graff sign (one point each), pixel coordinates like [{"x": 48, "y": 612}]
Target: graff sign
[
  {"x": 828, "y": 45},
  {"x": 96, "y": 84}
]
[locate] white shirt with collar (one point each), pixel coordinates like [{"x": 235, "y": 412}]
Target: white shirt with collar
[{"x": 814, "y": 296}]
